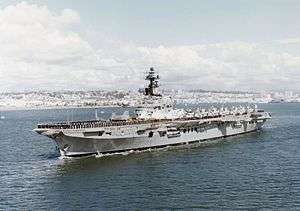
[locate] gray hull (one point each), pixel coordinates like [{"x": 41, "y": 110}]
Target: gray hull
[{"x": 72, "y": 145}]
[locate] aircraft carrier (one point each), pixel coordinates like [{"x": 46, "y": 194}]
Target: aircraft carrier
[{"x": 155, "y": 124}]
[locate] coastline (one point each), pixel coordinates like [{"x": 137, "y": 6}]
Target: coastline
[{"x": 54, "y": 107}]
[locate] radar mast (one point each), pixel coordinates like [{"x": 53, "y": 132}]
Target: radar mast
[{"x": 153, "y": 79}]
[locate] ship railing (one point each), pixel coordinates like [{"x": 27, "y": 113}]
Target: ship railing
[
  {"x": 109, "y": 123},
  {"x": 92, "y": 124}
]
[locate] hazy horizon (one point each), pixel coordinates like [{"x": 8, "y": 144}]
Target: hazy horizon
[
  {"x": 90, "y": 45},
  {"x": 137, "y": 89}
]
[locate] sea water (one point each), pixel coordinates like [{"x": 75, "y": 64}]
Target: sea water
[{"x": 257, "y": 170}]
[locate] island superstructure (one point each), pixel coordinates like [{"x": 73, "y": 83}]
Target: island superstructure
[{"x": 156, "y": 124}]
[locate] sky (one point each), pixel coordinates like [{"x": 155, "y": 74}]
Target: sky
[{"x": 204, "y": 44}]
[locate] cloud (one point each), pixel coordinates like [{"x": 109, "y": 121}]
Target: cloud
[
  {"x": 41, "y": 49},
  {"x": 34, "y": 34},
  {"x": 38, "y": 45},
  {"x": 290, "y": 41},
  {"x": 230, "y": 66}
]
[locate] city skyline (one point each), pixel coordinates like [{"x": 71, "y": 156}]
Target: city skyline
[{"x": 75, "y": 45}]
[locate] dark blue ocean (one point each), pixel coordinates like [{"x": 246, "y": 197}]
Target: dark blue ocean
[{"x": 254, "y": 171}]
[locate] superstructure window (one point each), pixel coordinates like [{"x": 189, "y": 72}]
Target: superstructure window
[
  {"x": 162, "y": 133},
  {"x": 93, "y": 133},
  {"x": 150, "y": 134},
  {"x": 140, "y": 132}
]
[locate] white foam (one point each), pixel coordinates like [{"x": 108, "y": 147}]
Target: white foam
[{"x": 100, "y": 155}]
